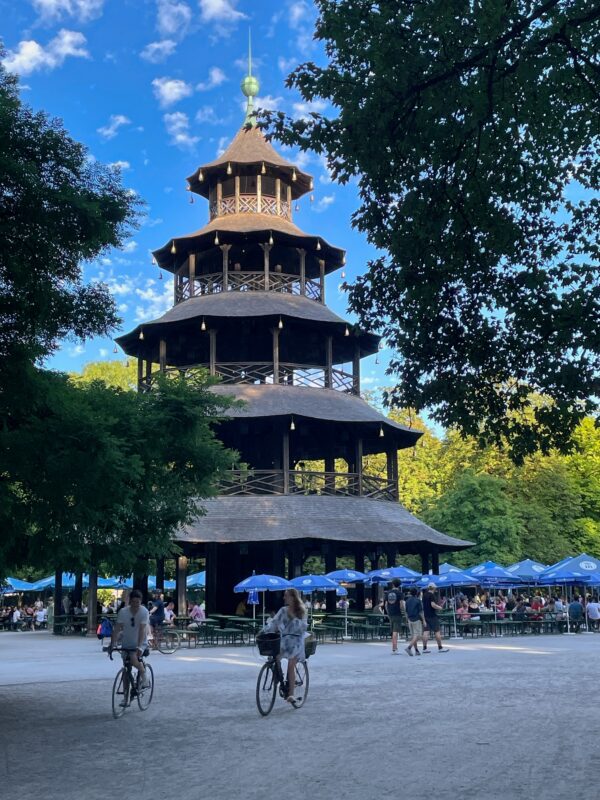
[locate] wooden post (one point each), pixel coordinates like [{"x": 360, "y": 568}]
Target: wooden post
[
  {"x": 322, "y": 279},
  {"x": 78, "y": 589},
  {"x": 356, "y": 370},
  {"x": 213, "y": 351},
  {"x": 358, "y": 459},
  {"x": 219, "y": 196},
  {"x": 140, "y": 365},
  {"x": 175, "y": 288},
  {"x": 92, "y": 612},
  {"x": 278, "y": 196},
  {"x": 435, "y": 562},
  {"x": 211, "y": 565},
  {"x": 162, "y": 355},
  {"x": 258, "y": 193},
  {"x": 140, "y": 578},
  {"x": 225, "y": 248},
  {"x": 425, "y": 563},
  {"x": 237, "y": 194},
  {"x": 286, "y": 462},
  {"x": 302, "y": 256},
  {"x": 160, "y": 574},
  {"x": 329, "y": 363},
  {"x": 330, "y": 479},
  {"x": 266, "y": 248},
  {"x": 148, "y": 370},
  {"x": 359, "y": 566},
  {"x": 181, "y": 585},
  {"x": 58, "y": 609},
  {"x": 192, "y": 273},
  {"x": 276, "y": 355}
]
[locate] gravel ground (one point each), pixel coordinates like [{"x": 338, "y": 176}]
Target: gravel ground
[{"x": 506, "y": 719}]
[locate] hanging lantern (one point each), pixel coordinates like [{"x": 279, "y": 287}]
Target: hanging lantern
[
  {"x": 154, "y": 261},
  {"x": 200, "y": 176},
  {"x": 263, "y": 169},
  {"x": 343, "y": 274},
  {"x": 217, "y": 238},
  {"x": 294, "y": 176},
  {"x": 312, "y": 198},
  {"x": 160, "y": 275},
  {"x": 318, "y": 245},
  {"x": 292, "y": 425},
  {"x": 344, "y": 260},
  {"x": 203, "y": 325},
  {"x": 311, "y": 184},
  {"x": 280, "y": 325},
  {"x": 297, "y": 207},
  {"x": 141, "y": 336},
  {"x": 381, "y": 433},
  {"x": 173, "y": 248},
  {"x": 191, "y": 200},
  {"x": 347, "y": 331},
  {"x": 229, "y": 170},
  {"x": 270, "y": 238},
  {"x": 377, "y": 358},
  {"x": 115, "y": 349}
]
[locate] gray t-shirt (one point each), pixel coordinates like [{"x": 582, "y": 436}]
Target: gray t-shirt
[{"x": 131, "y": 626}]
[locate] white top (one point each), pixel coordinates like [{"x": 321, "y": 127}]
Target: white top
[
  {"x": 16, "y": 615},
  {"x": 169, "y": 614},
  {"x": 41, "y": 615},
  {"x": 593, "y": 610},
  {"x": 130, "y": 635}
]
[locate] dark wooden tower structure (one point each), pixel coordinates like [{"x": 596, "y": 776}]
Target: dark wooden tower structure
[{"x": 249, "y": 305}]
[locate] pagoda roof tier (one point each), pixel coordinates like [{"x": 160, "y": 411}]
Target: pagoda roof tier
[
  {"x": 250, "y": 227},
  {"x": 250, "y": 148},
  {"x": 327, "y": 405},
  {"x": 283, "y": 517},
  {"x": 226, "y": 310}
]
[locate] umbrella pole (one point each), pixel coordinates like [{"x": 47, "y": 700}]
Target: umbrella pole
[
  {"x": 346, "y": 620},
  {"x": 456, "y": 636},
  {"x": 568, "y": 632},
  {"x": 263, "y": 609}
]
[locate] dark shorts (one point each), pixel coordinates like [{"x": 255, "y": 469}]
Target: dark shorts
[
  {"x": 396, "y": 623},
  {"x": 156, "y": 623},
  {"x": 433, "y": 624}
]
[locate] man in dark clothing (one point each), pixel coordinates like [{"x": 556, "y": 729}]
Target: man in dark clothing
[
  {"x": 394, "y": 607},
  {"x": 431, "y": 606},
  {"x": 416, "y": 620},
  {"x": 157, "y": 614}
]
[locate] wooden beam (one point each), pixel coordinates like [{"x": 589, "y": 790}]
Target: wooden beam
[
  {"x": 140, "y": 377},
  {"x": 322, "y": 279},
  {"x": 302, "y": 256},
  {"x": 162, "y": 355},
  {"x": 285, "y": 455},
  {"x": 329, "y": 362},
  {"x": 276, "y": 355},
  {"x": 181, "y": 585},
  {"x": 259, "y": 193},
  {"x": 278, "y": 196},
  {"x": 358, "y": 461},
  {"x": 225, "y": 248},
  {"x": 356, "y": 370},
  {"x": 213, "y": 351},
  {"x": 266, "y": 248},
  {"x": 192, "y": 273},
  {"x": 237, "y": 194}
]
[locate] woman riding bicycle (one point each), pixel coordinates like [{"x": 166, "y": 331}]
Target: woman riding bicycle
[{"x": 290, "y": 623}]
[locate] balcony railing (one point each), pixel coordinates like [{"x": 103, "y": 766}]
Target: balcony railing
[
  {"x": 243, "y": 482},
  {"x": 213, "y": 283},
  {"x": 257, "y": 372},
  {"x": 248, "y": 204}
]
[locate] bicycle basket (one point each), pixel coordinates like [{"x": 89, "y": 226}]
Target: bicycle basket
[
  {"x": 310, "y": 645},
  {"x": 268, "y": 644}
]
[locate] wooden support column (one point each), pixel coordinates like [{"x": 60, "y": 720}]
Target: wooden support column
[
  {"x": 266, "y": 248},
  {"x": 329, "y": 362},
  {"x": 162, "y": 354},
  {"x": 356, "y": 370},
  {"x": 259, "y": 193},
  {"x": 425, "y": 563},
  {"x": 181, "y": 585},
  {"x": 330, "y": 478},
  {"x": 140, "y": 377},
  {"x": 302, "y": 257},
  {"x": 322, "y": 279},
  {"x": 192, "y": 273},
  {"x": 330, "y": 566},
  {"x": 358, "y": 459},
  {"x": 225, "y": 248},
  {"x": 435, "y": 562},
  {"x": 359, "y": 566},
  {"x": 140, "y": 579},
  {"x": 278, "y": 196},
  {"x": 219, "y": 196},
  {"x": 212, "y": 550},
  {"x": 160, "y": 574},
  {"x": 276, "y": 355},
  {"x": 148, "y": 370},
  {"x": 213, "y": 351},
  {"x": 58, "y": 590},
  {"x": 237, "y": 194},
  {"x": 285, "y": 456},
  {"x": 92, "y": 612},
  {"x": 294, "y": 559},
  {"x": 175, "y": 289},
  {"x": 78, "y": 589},
  {"x": 392, "y": 470},
  {"x": 390, "y": 554}
]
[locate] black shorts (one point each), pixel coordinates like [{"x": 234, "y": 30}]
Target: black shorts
[{"x": 433, "y": 624}]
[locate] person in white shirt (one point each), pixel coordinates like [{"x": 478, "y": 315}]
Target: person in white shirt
[
  {"x": 593, "y": 613},
  {"x": 41, "y": 617},
  {"x": 131, "y": 629},
  {"x": 16, "y": 618}
]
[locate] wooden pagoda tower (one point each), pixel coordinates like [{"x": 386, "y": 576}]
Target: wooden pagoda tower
[{"x": 249, "y": 292}]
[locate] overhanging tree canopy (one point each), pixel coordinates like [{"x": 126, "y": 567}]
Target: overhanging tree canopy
[{"x": 472, "y": 129}]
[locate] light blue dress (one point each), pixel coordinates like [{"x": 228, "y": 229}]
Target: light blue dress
[{"x": 291, "y": 630}]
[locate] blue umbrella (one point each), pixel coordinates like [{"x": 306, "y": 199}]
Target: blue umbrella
[
  {"x": 450, "y": 579},
  {"x": 573, "y": 570},
  {"x": 68, "y": 582},
  {"x": 404, "y": 574},
  {"x": 262, "y": 583},
  {"x": 197, "y": 580},
  {"x": 166, "y": 584},
  {"x": 15, "y": 585},
  {"x": 491, "y": 574},
  {"x": 447, "y": 567},
  {"x": 527, "y": 570},
  {"x": 253, "y": 598},
  {"x": 347, "y": 576},
  {"x": 312, "y": 583}
]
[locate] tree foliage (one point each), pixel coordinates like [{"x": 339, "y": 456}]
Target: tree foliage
[{"x": 472, "y": 129}]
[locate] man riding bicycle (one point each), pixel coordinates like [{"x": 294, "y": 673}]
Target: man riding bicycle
[{"x": 132, "y": 629}]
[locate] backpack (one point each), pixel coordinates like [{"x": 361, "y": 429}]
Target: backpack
[{"x": 104, "y": 629}]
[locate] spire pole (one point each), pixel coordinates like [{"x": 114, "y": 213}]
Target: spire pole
[{"x": 250, "y": 88}]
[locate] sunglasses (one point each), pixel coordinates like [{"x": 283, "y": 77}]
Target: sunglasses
[{"x": 133, "y": 622}]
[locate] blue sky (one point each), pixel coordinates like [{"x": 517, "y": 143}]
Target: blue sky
[{"x": 154, "y": 86}]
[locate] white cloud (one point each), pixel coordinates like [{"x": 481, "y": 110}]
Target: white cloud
[
  {"x": 103, "y": 352},
  {"x": 156, "y": 52},
  {"x": 173, "y": 18},
  {"x": 222, "y": 146},
  {"x": 155, "y": 301},
  {"x": 303, "y": 110},
  {"x": 216, "y": 77},
  {"x": 129, "y": 246},
  {"x": 222, "y": 14},
  {"x": 208, "y": 115},
  {"x": 324, "y": 203},
  {"x": 287, "y": 64},
  {"x": 123, "y": 307},
  {"x": 123, "y": 166},
  {"x": 31, "y": 56},
  {"x": 115, "y": 122},
  {"x": 267, "y": 103},
  {"x": 170, "y": 90},
  {"x": 178, "y": 128},
  {"x": 301, "y": 19},
  {"x": 76, "y": 351},
  {"x": 56, "y": 10}
]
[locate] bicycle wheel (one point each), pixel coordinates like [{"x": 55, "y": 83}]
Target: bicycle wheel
[
  {"x": 168, "y": 642},
  {"x": 145, "y": 694},
  {"x": 119, "y": 695},
  {"x": 266, "y": 688},
  {"x": 300, "y": 684}
]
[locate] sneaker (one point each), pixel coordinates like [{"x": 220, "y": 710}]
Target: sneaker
[
  {"x": 145, "y": 682},
  {"x": 418, "y": 652},
  {"x": 394, "y": 652},
  {"x": 409, "y": 651},
  {"x": 426, "y": 650},
  {"x": 124, "y": 703},
  {"x": 443, "y": 650}
]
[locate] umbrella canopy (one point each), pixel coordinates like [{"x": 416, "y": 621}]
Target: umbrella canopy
[
  {"x": 262, "y": 583},
  {"x": 197, "y": 580},
  {"x": 491, "y": 574},
  {"x": 166, "y": 585},
  {"x": 573, "y": 570},
  {"x": 314, "y": 583},
  {"x": 341, "y": 592},
  {"x": 253, "y": 598},
  {"x": 449, "y": 579},
  {"x": 447, "y": 567},
  {"x": 68, "y": 582},
  {"x": 15, "y": 585},
  {"x": 527, "y": 570},
  {"x": 404, "y": 574},
  {"x": 346, "y": 576}
]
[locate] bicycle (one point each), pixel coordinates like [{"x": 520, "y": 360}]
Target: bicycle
[
  {"x": 271, "y": 674},
  {"x": 126, "y": 686},
  {"x": 165, "y": 640}
]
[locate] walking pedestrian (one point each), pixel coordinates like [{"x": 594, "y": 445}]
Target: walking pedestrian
[
  {"x": 431, "y": 606},
  {"x": 416, "y": 620},
  {"x": 394, "y": 607}
]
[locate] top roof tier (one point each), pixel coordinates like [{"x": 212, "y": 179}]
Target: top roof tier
[{"x": 249, "y": 150}]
